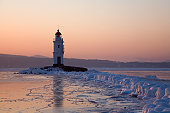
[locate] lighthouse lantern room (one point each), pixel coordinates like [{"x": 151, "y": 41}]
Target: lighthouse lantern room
[{"x": 58, "y": 49}]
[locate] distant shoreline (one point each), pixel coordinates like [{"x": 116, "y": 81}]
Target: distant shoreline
[{"x": 17, "y": 61}]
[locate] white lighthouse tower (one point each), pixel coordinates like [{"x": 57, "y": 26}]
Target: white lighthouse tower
[{"x": 58, "y": 49}]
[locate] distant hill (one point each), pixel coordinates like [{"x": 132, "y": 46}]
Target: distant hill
[
  {"x": 18, "y": 61},
  {"x": 39, "y": 56}
]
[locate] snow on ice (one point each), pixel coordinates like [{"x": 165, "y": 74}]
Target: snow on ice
[{"x": 154, "y": 92}]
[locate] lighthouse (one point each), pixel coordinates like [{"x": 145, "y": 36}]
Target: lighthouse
[
  {"x": 58, "y": 56},
  {"x": 58, "y": 49}
]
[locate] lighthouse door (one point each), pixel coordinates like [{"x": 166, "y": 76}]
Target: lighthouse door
[{"x": 59, "y": 60}]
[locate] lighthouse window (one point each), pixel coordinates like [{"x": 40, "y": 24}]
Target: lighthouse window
[{"x": 58, "y": 46}]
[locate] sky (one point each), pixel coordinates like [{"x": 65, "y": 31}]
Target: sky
[{"x": 118, "y": 30}]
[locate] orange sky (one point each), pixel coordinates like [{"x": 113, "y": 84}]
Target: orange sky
[{"x": 123, "y": 30}]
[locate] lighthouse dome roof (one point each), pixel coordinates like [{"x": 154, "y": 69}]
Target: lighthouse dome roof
[{"x": 58, "y": 32}]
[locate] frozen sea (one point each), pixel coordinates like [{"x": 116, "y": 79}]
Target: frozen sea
[{"x": 91, "y": 92}]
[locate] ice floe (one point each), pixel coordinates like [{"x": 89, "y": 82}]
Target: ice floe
[{"x": 153, "y": 91}]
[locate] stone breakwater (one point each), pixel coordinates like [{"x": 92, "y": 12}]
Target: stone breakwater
[{"x": 154, "y": 92}]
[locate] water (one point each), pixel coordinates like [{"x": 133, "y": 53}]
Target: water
[
  {"x": 159, "y": 74},
  {"x": 60, "y": 94}
]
